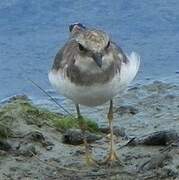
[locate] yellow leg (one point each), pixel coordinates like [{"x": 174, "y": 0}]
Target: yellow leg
[
  {"x": 82, "y": 125},
  {"x": 112, "y": 156}
]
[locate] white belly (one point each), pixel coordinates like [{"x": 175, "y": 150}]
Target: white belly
[
  {"x": 96, "y": 94},
  {"x": 86, "y": 95}
]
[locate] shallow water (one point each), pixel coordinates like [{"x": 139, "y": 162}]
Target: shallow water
[{"x": 31, "y": 33}]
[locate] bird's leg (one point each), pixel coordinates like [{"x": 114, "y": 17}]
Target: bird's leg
[
  {"x": 83, "y": 127},
  {"x": 112, "y": 156}
]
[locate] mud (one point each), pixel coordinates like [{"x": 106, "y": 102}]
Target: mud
[{"x": 31, "y": 139}]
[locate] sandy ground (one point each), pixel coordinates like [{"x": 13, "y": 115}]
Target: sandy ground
[{"x": 37, "y": 152}]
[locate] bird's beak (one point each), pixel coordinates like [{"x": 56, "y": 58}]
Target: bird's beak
[{"x": 98, "y": 59}]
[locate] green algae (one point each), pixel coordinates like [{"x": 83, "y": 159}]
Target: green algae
[
  {"x": 72, "y": 122},
  {"x": 6, "y": 121},
  {"x": 19, "y": 112},
  {"x": 5, "y": 131}
]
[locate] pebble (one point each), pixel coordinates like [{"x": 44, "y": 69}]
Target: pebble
[
  {"x": 75, "y": 137},
  {"x": 126, "y": 110},
  {"x": 35, "y": 136},
  {"x": 28, "y": 150},
  {"x": 39, "y": 137},
  {"x": 4, "y": 145}
]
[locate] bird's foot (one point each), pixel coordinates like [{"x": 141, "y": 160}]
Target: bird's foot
[
  {"x": 112, "y": 158},
  {"x": 90, "y": 161}
]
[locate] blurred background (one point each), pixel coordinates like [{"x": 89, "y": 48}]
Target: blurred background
[{"x": 32, "y": 31}]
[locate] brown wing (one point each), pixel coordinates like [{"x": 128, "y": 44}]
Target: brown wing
[
  {"x": 118, "y": 55},
  {"x": 65, "y": 55},
  {"x": 119, "y": 51}
]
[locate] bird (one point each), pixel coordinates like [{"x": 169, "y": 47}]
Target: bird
[{"x": 91, "y": 69}]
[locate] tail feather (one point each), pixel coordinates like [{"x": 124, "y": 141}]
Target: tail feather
[
  {"x": 130, "y": 69},
  {"x": 135, "y": 63}
]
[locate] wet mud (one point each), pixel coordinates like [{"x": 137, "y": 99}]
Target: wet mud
[{"x": 146, "y": 120}]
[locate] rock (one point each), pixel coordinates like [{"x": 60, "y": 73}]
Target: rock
[
  {"x": 20, "y": 158},
  {"x": 156, "y": 161},
  {"x": 116, "y": 130},
  {"x": 4, "y": 145},
  {"x": 171, "y": 172},
  {"x": 75, "y": 137},
  {"x": 156, "y": 138},
  {"x": 133, "y": 88},
  {"x": 37, "y": 137},
  {"x": 49, "y": 148},
  {"x": 3, "y": 153},
  {"x": 126, "y": 110},
  {"x": 27, "y": 150}
]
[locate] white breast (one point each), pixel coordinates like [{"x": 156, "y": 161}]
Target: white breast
[{"x": 96, "y": 94}]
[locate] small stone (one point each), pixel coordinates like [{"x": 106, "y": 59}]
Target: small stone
[
  {"x": 28, "y": 150},
  {"x": 48, "y": 148},
  {"x": 126, "y": 110},
  {"x": 13, "y": 168},
  {"x": 47, "y": 144},
  {"x": 54, "y": 159},
  {"x": 20, "y": 159},
  {"x": 156, "y": 161},
  {"x": 35, "y": 136},
  {"x": 170, "y": 172},
  {"x": 75, "y": 137},
  {"x": 4, "y": 145},
  {"x": 78, "y": 152},
  {"x": 38, "y": 137},
  {"x": 133, "y": 88},
  {"x": 158, "y": 109},
  {"x": 3, "y": 153}
]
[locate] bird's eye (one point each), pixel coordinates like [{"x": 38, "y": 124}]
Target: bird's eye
[{"x": 81, "y": 48}]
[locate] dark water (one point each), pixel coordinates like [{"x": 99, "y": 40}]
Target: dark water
[{"x": 31, "y": 32}]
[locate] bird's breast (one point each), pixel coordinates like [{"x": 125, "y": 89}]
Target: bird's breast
[
  {"x": 89, "y": 95},
  {"x": 90, "y": 76}
]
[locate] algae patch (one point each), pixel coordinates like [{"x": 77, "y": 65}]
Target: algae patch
[
  {"x": 18, "y": 113},
  {"x": 72, "y": 122}
]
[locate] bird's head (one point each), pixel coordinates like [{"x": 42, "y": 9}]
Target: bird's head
[{"x": 91, "y": 41}]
